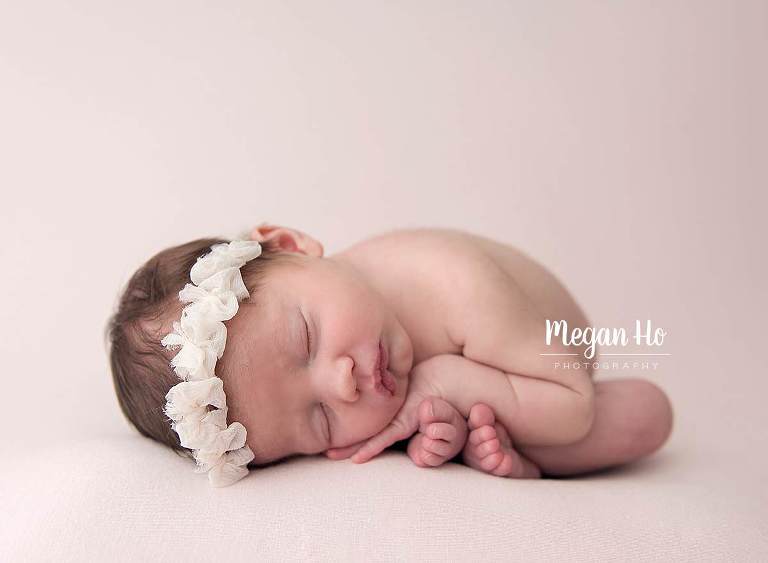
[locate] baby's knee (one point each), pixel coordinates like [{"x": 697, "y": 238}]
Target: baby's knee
[
  {"x": 582, "y": 413},
  {"x": 655, "y": 424}
]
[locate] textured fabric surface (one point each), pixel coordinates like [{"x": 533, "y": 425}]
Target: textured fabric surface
[
  {"x": 621, "y": 144},
  {"x": 125, "y": 499}
]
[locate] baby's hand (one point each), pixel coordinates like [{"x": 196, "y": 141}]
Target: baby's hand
[
  {"x": 405, "y": 423},
  {"x": 442, "y": 433}
]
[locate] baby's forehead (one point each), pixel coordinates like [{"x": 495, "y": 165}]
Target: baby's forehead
[
  {"x": 263, "y": 342},
  {"x": 242, "y": 368},
  {"x": 254, "y": 327},
  {"x": 252, "y": 367}
]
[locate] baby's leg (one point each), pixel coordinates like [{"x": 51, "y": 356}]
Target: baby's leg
[{"x": 633, "y": 418}]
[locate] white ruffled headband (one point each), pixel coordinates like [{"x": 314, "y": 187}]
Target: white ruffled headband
[{"x": 213, "y": 296}]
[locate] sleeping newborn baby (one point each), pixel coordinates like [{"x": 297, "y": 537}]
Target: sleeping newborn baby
[{"x": 428, "y": 339}]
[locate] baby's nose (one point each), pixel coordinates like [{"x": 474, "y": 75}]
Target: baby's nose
[{"x": 345, "y": 380}]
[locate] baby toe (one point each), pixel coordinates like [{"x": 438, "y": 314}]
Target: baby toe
[
  {"x": 491, "y": 462},
  {"x": 489, "y": 447},
  {"x": 480, "y": 415},
  {"x": 510, "y": 466},
  {"x": 504, "y": 468},
  {"x": 482, "y": 434}
]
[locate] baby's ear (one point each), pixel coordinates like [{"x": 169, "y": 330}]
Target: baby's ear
[
  {"x": 260, "y": 231},
  {"x": 288, "y": 239},
  {"x": 343, "y": 453}
]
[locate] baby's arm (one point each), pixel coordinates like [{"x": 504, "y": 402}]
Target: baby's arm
[
  {"x": 502, "y": 334},
  {"x": 633, "y": 418},
  {"x": 535, "y": 411},
  {"x": 462, "y": 383}
]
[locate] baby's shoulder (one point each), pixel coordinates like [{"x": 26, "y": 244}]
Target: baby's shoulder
[
  {"x": 440, "y": 256},
  {"x": 440, "y": 271},
  {"x": 433, "y": 245},
  {"x": 450, "y": 254}
]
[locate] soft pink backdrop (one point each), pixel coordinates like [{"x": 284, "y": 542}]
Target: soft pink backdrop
[{"x": 621, "y": 144}]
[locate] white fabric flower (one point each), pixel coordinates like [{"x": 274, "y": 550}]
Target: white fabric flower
[
  {"x": 232, "y": 468},
  {"x": 212, "y": 297},
  {"x": 223, "y": 256}
]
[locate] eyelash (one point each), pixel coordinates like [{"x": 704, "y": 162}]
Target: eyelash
[
  {"x": 327, "y": 421},
  {"x": 322, "y": 405},
  {"x": 309, "y": 339}
]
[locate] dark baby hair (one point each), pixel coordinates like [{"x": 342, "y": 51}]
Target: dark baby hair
[{"x": 147, "y": 306}]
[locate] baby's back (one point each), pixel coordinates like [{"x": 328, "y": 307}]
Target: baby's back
[{"x": 428, "y": 274}]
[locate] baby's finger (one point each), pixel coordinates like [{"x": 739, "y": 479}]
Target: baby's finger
[
  {"x": 343, "y": 453},
  {"x": 374, "y": 446},
  {"x": 437, "y": 447},
  {"x": 432, "y": 459},
  {"x": 435, "y": 409},
  {"x": 440, "y": 431}
]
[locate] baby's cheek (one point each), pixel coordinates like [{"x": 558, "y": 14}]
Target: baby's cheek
[{"x": 366, "y": 424}]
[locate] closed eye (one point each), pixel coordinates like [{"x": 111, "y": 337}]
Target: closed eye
[
  {"x": 327, "y": 422},
  {"x": 309, "y": 338}
]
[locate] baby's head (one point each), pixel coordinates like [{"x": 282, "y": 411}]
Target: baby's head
[{"x": 300, "y": 356}]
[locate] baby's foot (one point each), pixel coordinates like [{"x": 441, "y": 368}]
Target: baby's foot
[{"x": 489, "y": 447}]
